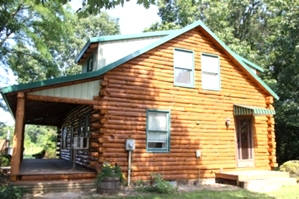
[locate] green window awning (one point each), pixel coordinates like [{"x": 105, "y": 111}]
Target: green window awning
[{"x": 252, "y": 110}]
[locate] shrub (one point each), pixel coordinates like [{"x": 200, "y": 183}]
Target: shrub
[
  {"x": 160, "y": 185},
  {"x": 5, "y": 160},
  {"x": 10, "y": 192},
  {"x": 292, "y": 167}
]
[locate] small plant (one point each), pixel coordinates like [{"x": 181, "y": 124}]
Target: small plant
[
  {"x": 5, "y": 160},
  {"x": 139, "y": 183},
  {"x": 160, "y": 185},
  {"x": 9, "y": 191},
  {"x": 292, "y": 167},
  {"x": 110, "y": 171}
]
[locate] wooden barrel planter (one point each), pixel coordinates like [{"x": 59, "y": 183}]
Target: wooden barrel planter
[{"x": 110, "y": 185}]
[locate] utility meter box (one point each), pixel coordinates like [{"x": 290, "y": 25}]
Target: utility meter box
[{"x": 130, "y": 144}]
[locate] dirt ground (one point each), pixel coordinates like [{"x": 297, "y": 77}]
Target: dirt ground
[{"x": 124, "y": 192}]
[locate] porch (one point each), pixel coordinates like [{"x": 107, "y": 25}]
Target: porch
[
  {"x": 52, "y": 169},
  {"x": 256, "y": 180}
]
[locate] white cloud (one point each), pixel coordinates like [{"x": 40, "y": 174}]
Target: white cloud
[{"x": 134, "y": 18}]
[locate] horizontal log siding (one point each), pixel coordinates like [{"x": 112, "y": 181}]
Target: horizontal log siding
[
  {"x": 197, "y": 116},
  {"x": 87, "y": 157}
]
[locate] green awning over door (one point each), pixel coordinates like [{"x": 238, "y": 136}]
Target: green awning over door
[{"x": 251, "y": 110}]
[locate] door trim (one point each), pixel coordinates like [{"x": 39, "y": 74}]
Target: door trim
[{"x": 250, "y": 162}]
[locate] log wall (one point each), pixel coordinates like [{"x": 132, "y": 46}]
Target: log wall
[
  {"x": 197, "y": 116},
  {"x": 85, "y": 157}
]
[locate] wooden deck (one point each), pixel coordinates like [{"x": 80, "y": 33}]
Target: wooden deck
[
  {"x": 255, "y": 179},
  {"x": 52, "y": 169}
]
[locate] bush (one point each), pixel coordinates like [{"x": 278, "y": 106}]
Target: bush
[
  {"x": 10, "y": 192},
  {"x": 160, "y": 185},
  {"x": 292, "y": 167},
  {"x": 5, "y": 160}
]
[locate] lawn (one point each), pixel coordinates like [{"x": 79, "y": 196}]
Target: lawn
[{"x": 288, "y": 192}]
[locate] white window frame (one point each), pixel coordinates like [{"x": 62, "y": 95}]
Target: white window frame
[
  {"x": 90, "y": 64},
  {"x": 210, "y": 73},
  {"x": 165, "y": 132},
  {"x": 179, "y": 65}
]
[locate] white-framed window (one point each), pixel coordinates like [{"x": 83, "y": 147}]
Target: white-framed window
[
  {"x": 64, "y": 138},
  {"x": 183, "y": 61},
  {"x": 87, "y": 123},
  {"x": 210, "y": 72},
  {"x": 90, "y": 64},
  {"x": 157, "y": 130}
]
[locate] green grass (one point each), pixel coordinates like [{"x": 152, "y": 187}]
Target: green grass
[
  {"x": 287, "y": 192},
  {"x": 30, "y": 151}
]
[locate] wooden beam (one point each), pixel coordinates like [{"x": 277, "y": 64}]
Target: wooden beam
[
  {"x": 17, "y": 140},
  {"x": 60, "y": 99},
  {"x": 93, "y": 45},
  {"x": 22, "y": 143}
]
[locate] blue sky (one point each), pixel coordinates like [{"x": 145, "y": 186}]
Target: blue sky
[{"x": 133, "y": 18}]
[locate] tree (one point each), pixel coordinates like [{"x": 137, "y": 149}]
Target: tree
[
  {"x": 63, "y": 52},
  {"x": 28, "y": 30},
  {"x": 284, "y": 56},
  {"x": 95, "y": 6}
]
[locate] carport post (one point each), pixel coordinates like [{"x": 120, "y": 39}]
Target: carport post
[{"x": 17, "y": 139}]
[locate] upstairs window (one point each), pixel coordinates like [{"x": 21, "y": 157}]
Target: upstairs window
[
  {"x": 90, "y": 65},
  {"x": 157, "y": 131},
  {"x": 183, "y": 68},
  {"x": 210, "y": 72}
]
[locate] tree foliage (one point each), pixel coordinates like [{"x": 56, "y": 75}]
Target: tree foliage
[
  {"x": 40, "y": 41},
  {"x": 95, "y": 6},
  {"x": 27, "y": 29},
  {"x": 263, "y": 31}
]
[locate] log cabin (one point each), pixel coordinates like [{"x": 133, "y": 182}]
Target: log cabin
[{"x": 190, "y": 106}]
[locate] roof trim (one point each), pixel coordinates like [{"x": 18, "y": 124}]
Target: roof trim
[
  {"x": 252, "y": 110},
  {"x": 246, "y": 61},
  {"x": 137, "y": 53},
  {"x": 47, "y": 82},
  {"x": 121, "y": 37}
]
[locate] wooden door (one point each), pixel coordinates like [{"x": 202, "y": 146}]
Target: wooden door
[{"x": 244, "y": 131}]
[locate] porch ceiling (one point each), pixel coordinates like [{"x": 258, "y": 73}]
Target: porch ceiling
[{"x": 41, "y": 112}]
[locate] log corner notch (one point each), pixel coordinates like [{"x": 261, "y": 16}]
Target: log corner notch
[
  {"x": 18, "y": 135},
  {"x": 271, "y": 134}
]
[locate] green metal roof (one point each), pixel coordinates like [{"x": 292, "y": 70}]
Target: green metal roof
[
  {"x": 252, "y": 110},
  {"x": 121, "y": 37},
  {"x": 137, "y": 53},
  {"x": 245, "y": 61}
]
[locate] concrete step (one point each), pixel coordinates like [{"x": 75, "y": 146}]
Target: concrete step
[
  {"x": 251, "y": 175},
  {"x": 267, "y": 184},
  {"x": 42, "y": 187},
  {"x": 258, "y": 175}
]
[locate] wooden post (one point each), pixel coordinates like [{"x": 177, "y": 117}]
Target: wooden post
[
  {"x": 22, "y": 143},
  {"x": 17, "y": 139}
]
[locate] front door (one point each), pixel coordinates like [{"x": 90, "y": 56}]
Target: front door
[{"x": 244, "y": 137}]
